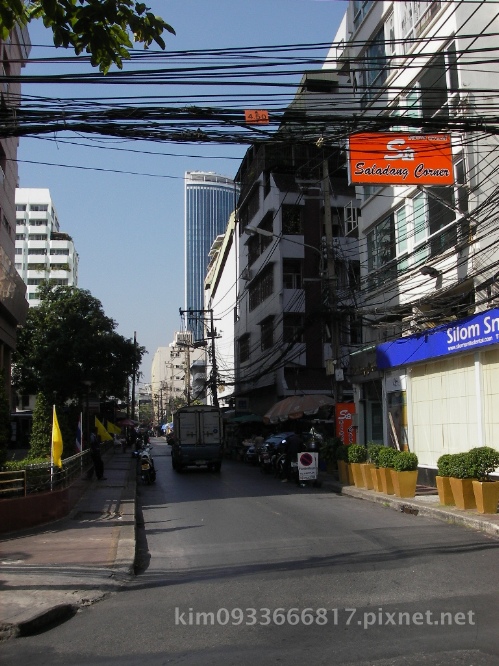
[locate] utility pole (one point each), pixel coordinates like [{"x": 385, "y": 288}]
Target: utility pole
[
  {"x": 211, "y": 334},
  {"x": 214, "y": 370},
  {"x": 331, "y": 276},
  {"x": 134, "y": 372}
]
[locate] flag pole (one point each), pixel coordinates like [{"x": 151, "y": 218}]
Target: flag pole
[{"x": 52, "y": 452}]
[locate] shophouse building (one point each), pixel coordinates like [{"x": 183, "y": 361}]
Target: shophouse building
[
  {"x": 296, "y": 227},
  {"x": 429, "y": 253},
  {"x": 14, "y": 52},
  {"x": 220, "y": 296}
]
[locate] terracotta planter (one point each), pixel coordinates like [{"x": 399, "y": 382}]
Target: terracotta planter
[
  {"x": 486, "y": 496},
  {"x": 462, "y": 490},
  {"x": 367, "y": 475},
  {"x": 376, "y": 477},
  {"x": 386, "y": 480},
  {"x": 404, "y": 483},
  {"x": 358, "y": 479},
  {"x": 445, "y": 495}
]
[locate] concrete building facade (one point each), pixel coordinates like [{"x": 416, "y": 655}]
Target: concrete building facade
[
  {"x": 14, "y": 52},
  {"x": 429, "y": 254},
  {"x": 43, "y": 251}
]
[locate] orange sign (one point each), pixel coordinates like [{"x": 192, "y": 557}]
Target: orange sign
[
  {"x": 345, "y": 429},
  {"x": 254, "y": 117},
  {"x": 393, "y": 158}
]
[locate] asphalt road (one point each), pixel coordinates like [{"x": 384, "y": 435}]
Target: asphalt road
[{"x": 238, "y": 568}]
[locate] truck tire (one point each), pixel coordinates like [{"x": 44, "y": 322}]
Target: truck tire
[{"x": 217, "y": 466}]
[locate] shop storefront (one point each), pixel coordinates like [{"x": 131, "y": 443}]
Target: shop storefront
[{"x": 441, "y": 387}]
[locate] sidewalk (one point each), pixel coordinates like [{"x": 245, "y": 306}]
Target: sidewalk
[
  {"x": 48, "y": 572},
  {"x": 424, "y": 504}
]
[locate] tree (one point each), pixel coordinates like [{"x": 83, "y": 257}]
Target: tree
[
  {"x": 68, "y": 340},
  {"x": 102, "y": 28},
  {"x": 41, "y": 431}
]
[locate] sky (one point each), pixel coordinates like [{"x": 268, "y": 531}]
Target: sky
[{"x": 128, "y": 228}]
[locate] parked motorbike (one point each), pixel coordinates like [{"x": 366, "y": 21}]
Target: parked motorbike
[{"x": 145, "y": 465}]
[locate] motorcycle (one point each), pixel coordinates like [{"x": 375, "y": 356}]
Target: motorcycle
[{"x": 145, "y": 465}]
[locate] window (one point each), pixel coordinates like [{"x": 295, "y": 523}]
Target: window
[
  {"x": 244, "y": 348},
  {"x": 19, "y": 250},
  {"x": 262, "y": 287},
  {"x": 34, "y": 281},
  {"x": 20, "y": 237},
  {"x": 374, "y": 72},
  {"x": 267, "y": 333},
  {"x": 292, "y": 327},
  {"x": 250, "y": 207},
  {"x": 60, "y": 251},
  {"x": 37, "y": 223},
  {"x": 292, "y": 274},
  {"x": 37, "y": 250},
  {"x": 415, "y": 14},
  {"x": 39, "y": 237},
  {"x": 39, "y": 207},
  {"x": 291, "y": 220},
  {"x": 360, "y": 10},
  {"x": 21, "y": 207}
]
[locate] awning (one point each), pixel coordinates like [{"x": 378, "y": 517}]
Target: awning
[{"x": 296, "y": 406}]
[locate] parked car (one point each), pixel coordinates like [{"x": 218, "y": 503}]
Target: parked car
[
  {"x": 275, "y": 441},
  {"x": 251, "y": 455}
]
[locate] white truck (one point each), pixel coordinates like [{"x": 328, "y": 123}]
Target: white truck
[{"x": 197, "y": 437}]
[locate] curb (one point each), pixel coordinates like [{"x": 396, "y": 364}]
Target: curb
[
  {"x": 42, "y": 620},
  {"x": 124, "y": 562},
  {"x": 450, "y": 516}
]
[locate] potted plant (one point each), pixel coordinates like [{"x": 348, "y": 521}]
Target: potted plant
[
  {"x": 461, "y": 481},
  {"x": 373, "y": 457},
  {"x": 483, "y": 461},
  {"x": 357, "y": 455},
  {"x": 405, "y": 474},
  {"x": 444, "y": 469},
  {"x": 327, "y": 454},
  {"x": 342, "y": 462},
  {"x": 386, "y": 459}
]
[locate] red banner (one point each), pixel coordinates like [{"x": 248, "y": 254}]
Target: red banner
[{"x": 345, "y": 429}]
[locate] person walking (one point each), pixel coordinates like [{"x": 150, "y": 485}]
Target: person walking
[
  {"x": 293, "y": 446},
  {"x": 95, "y": 454}
]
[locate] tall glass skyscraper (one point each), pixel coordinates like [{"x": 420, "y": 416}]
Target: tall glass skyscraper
[{"x": 209, "y": 201}]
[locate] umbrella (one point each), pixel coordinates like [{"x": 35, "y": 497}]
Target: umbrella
[
  {"x": 296, "y": 406},
  {"x": 127, "y": 422}
]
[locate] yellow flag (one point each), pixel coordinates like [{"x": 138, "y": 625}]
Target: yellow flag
[
  {"x": 104, "y": 435},
  {"x": 56, "y": 441},
  {"x": 113, "y": 429}
]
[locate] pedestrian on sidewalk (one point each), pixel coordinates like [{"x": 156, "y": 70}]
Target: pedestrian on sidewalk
[{"x": 95, "y": 454}]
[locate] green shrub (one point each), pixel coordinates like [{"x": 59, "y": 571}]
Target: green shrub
[
  {"x": 329, "y": 448},
  {"x": 357, "y": 453},
  {"x": 444, "y": 465},
  {"x": 483, "y": 460},
  {"x": 342, "y": 453},
  {"x": 460, "y": 466},
  {"x": 405, "y": 461},
  {"x": 373, "y": 453},
  {"x": 387, "y": 456}
]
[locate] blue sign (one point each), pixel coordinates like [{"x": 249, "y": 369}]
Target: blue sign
[{"x": 464, "y": 335}]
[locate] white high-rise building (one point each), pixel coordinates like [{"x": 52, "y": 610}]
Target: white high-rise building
[{"x": 43, "y": 252}]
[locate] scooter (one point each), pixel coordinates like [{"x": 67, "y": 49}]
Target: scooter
[{"x": 146, "y": 465}]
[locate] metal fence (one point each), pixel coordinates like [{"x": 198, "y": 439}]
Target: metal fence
[{"x": 41, "y": 477}]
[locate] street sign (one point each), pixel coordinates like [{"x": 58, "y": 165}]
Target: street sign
[{"x": 308, "y": 464}]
